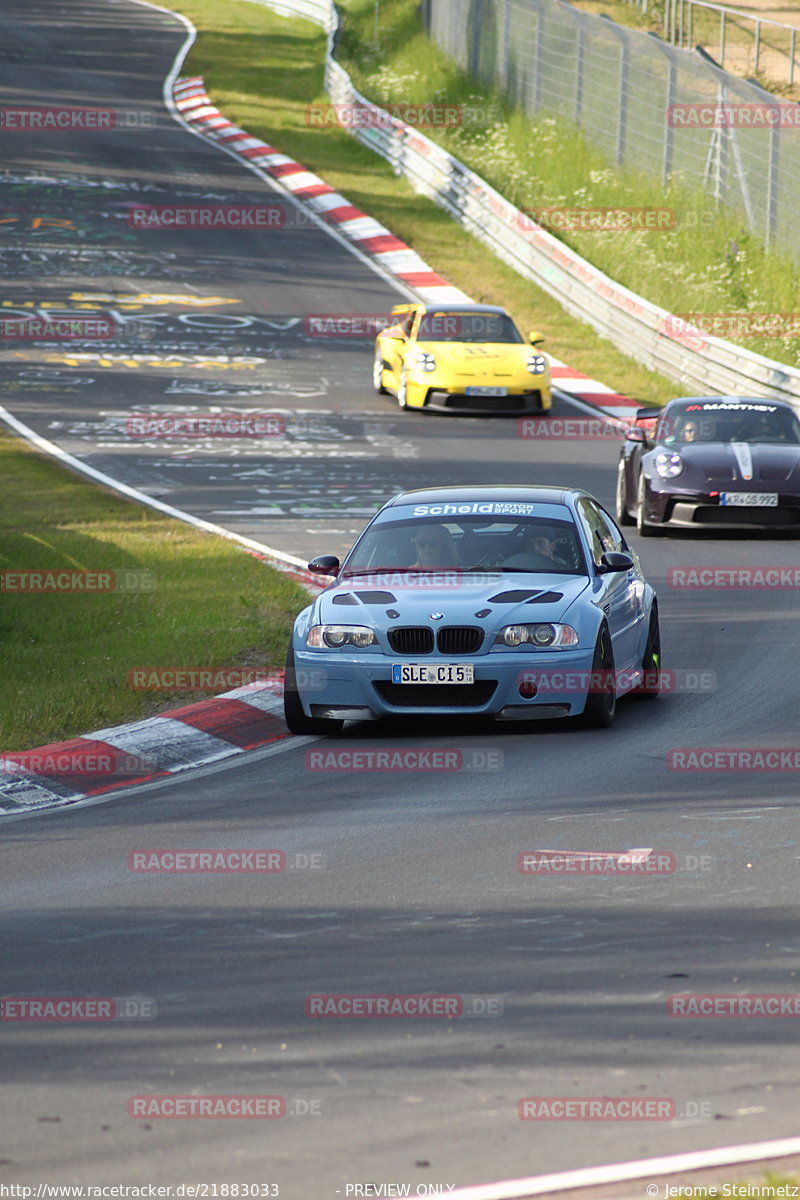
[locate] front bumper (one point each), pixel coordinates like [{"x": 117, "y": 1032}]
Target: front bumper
[
  {"x": 517, "y": 402},
  {"x": 359, "y": 686},
  {"x": 699, "y": 510}
]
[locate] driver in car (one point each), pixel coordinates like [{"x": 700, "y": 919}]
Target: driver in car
[
  {"x": 435, "y": 548},
  {"x": 540, "y": 551}
]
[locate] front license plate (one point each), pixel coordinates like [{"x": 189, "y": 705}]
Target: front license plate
[
  {"x": 750, "y": 499},
  {"x": 486, "y": 391},
  {"x": 433, "y": 673}
]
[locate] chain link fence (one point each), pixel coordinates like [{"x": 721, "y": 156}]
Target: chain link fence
[{"x": 646, "y": 104}]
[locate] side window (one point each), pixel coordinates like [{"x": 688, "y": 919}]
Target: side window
[
  {"x": 617, "y": 541},
  {"x": 603, "y": 533}
]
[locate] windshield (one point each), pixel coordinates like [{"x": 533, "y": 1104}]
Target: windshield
[
  {"x": 468, "y": 544},
  {"x": 729, "y": 423},
  {"x": 467, "y": 327}
]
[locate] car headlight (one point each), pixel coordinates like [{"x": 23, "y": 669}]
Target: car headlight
[
  {"x": 426, "y": 362},
  {"x": 335, "y": 636},
  {"x": 546, "y": 637},
  {"x": 668, "y": 465},
  {"x": 536, "y": 364}
]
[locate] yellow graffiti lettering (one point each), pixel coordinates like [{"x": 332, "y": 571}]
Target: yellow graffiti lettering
[
  {"x": 154, "y": 298},
  {"x": 52, "y": 223}
]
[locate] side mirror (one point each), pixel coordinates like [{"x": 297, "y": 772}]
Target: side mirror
[
  {"x": 535, "y": 338},
  {"x": 635, "y": 434},
  {"x": 324, "y": 564},
  {"x": 613, "y": 560}
]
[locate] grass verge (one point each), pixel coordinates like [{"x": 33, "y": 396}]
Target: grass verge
[
  {"x": 709, "y": 263},
  {"x": 66, "y": 656}
]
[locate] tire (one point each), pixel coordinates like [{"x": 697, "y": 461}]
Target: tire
[
  {"x": 293, "y": 714},
  {"x": 601, "y": 706},
  {"x": 651, "y": 659},
  {"x": 644, "y": 530},
  {"x": 402, "y": 391},
  {"x": 622, "y": 514},
  {"x": 377, "y": 376}
]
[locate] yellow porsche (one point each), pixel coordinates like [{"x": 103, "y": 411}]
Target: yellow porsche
[{"x": 461, "y": 357}]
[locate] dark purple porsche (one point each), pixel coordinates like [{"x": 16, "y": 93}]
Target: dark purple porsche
[{"x": 711, "y": 462}]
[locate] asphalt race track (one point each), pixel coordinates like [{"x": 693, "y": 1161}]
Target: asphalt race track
[{"x": 397, "y": 882}]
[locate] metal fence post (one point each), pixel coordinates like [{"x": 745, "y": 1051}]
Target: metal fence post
[
  {"x": 580, "y": 43},
  {"x": 773, "y": 178},
  {"x": 669, "y": 132},
  {"x": 537, "y": 83},
  {"x": 503, "y": 43},
  {"x": 474, "y": 43},
  {"x": 622, "y": 123}
]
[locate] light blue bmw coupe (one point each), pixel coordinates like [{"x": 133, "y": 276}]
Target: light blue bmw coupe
[{"x": 517, "y": 603}]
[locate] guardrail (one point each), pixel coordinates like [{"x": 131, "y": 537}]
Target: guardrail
[{"x": 632, "y": 323}]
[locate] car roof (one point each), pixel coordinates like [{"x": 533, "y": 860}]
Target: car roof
[
  {"x": 429, "y": 306},
  {"x": 508, "y": 493},
  {"x": 727, "y": 400}
]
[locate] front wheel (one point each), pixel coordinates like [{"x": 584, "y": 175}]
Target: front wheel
[
  {"x": 601, "y": 707},
  {"x": 377, "y": 376},
  {"x": 293, "y": 713},
  {"x": 642, "y": 528},
  {"x": 402, "y": 390},
  {"x": 623, "y": 516},
  {"x": 650, "y": 686}
]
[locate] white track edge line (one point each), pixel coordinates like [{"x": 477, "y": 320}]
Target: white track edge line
[
  {"x": 159, "y": 783},
  {"x": 671, "y": 1164},
  {"x": 76, "y": 464}
]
